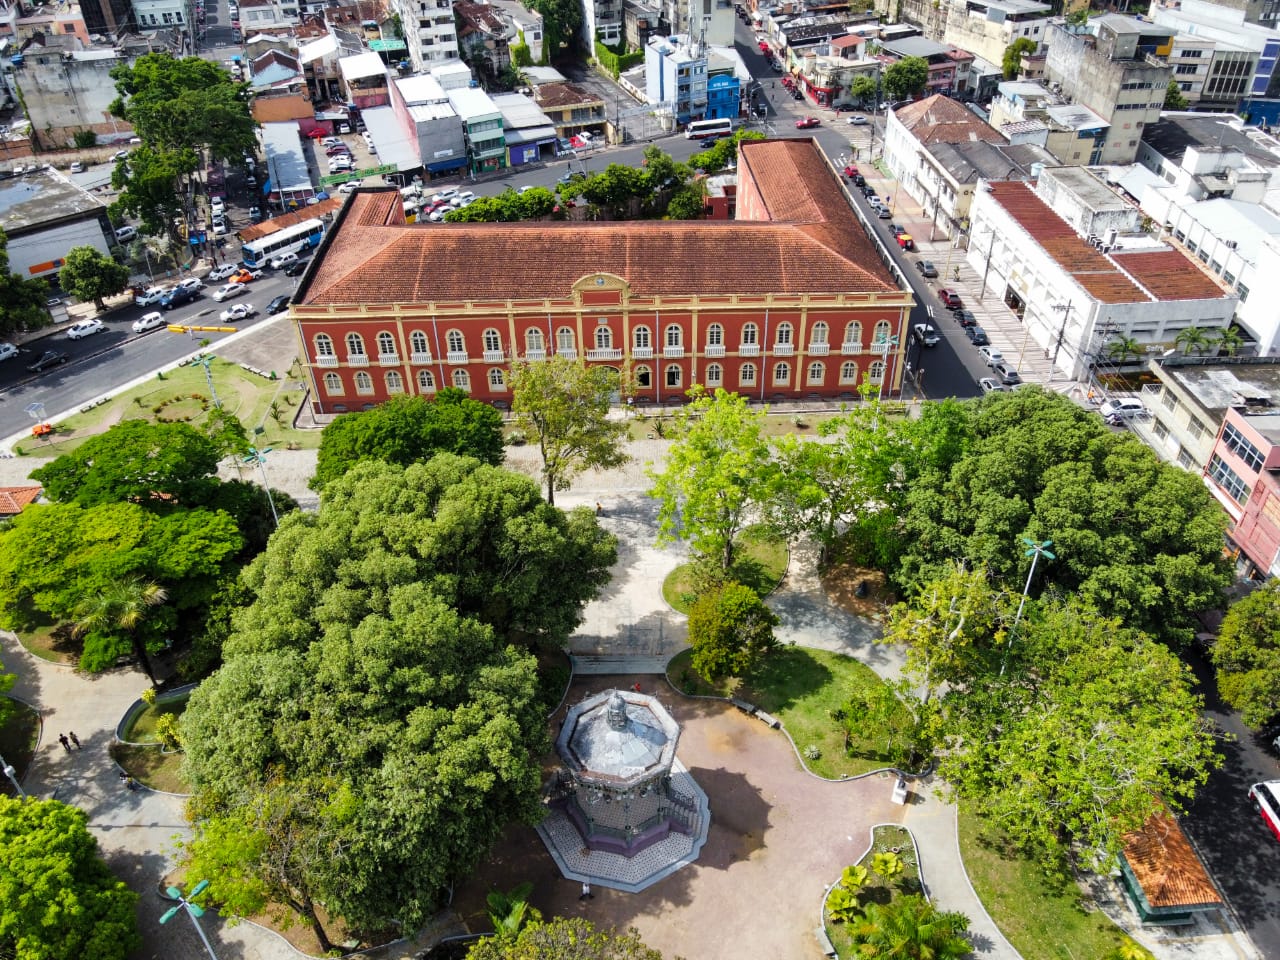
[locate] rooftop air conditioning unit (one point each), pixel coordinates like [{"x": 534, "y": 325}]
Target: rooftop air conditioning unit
[{"x": 1231, "y": 244}]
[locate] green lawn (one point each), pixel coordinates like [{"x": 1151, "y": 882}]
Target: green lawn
[
  {"x": 18, "y": 742},
  {"x": 151, "y": 767},
  {"x": 143, "y": 729},
  {"x": 761, "y": 564},
  {"x": 801, "y": 687},
  {"x": 44, "y": 638},
  {"x": 877, "y": 890},
  {"x": 247, "y": 395},
  {"x": 1043, "y": 919}
]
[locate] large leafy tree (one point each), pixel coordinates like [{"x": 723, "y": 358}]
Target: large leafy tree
[
  {"x": 1137, "y": 538},
  {"x": 564, "y": 404},
  {"x": 89, "y": 274},
  {"x": 863, "y": 89},
  {"x": 22, "y": 300},
  {"x": 58, "y": 898},
  {"x": 572, "y": 938},
  {"x": 1247, "y": 656},
  {"x": 562, "y": 27},
  {"x": 1011, "y": 64},
  {"x": 149, "y": 182},
  {"x": 906, "y": 78},
  {"x": 717, "y": 474},
  {"x": 407, "y": 430},
  {"x": 909, "y": 928},
  {"x": 730, "y": 629}
]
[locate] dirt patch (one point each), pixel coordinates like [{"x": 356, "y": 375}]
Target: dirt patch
[{"x": 861, "y": 591}]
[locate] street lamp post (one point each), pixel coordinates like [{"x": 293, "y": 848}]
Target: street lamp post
[
  {"x": 1035, "y": 550},
  {"x": 884, "y": 346},
  {"x": 192, "y": 910},
  {"x": 260, "y": 458},
  {"x": 1065, "y": 310},
  {"x": 13, "y": 777}
]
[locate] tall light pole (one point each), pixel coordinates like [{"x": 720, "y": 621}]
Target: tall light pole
[
  {"x": 13, "y": 777},
  {"x": 260, "y": 458},
  {"x": 1065, "y": 310},
  {"x": 1035, "y": 549},
  {"x": 192, "y": 910},
  {"x": 883, "y": 346}
]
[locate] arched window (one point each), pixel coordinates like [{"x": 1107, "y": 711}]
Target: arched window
[
  {"x": 496, "y": 380},
  {"x": 673, "y": 375},
  {"x": 882, "y": 332},
  {"x": 395, "y": 382},
  {"x": 324, "y": 345},
  {"x": 492, "y": 340},
  {"x": 364, "y": 383},
  {"x": 818, "y": 334},
  {"x": 644, "y": 377},
  {"x": 674, "y": 335},
  {"x": 640, "y": 338},
  {"x": 817, "y": 373},
  {"x": 533, "y": 340},
  {"x": 747, "y": 375},
  {"x": 852, "y": 342},
  {"x": 715, "y": 335},
  {"x": 426, "y": 381},
  {"x": 604, "y": 338},
  {"x": 333, "y": 385},
  {"x": 848, "y": 372},
  {"x": 876, "y": 371},
  {"x": 386, "y": 344},
  {"x": 418, "y": 343},
  {"x": 355, "y": 345},
  {"x": 750, "y": 334},
  {"x": 715, "y": 374},
  {"x": 781, "y": 374},
  {"x": 456, "y": 344},
  {"x": 565, "y": 341},
  {"x": 784, "y": 334},
  {"x": 462, "y": 380}
]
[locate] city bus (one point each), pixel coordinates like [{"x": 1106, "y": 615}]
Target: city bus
[
  {"x": 298, "y": 239},
  {"x": 709, "y": 129}
]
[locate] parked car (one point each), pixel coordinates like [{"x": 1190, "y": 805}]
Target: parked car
[
  {"x": 926, "y": 334},
  {"x": 126, "y": 233},
  {"x": 149, "y": 321},
  {"x": 906, "y": 242},
  {"x": 964, "y": 317},
  {"x": 806, "y": 123},
  {"x": 950, "y": 299},
  {"x": 220, "y": 228},
  {"x": 884, "y": 213},
  {"x": 217, "y": 206},
  {"x": 120, "y": 155},
  {"x": 8, "y": 351},
  {"x": 295, "y": 268},
  {"x": 50, "y": 358},
  {"x": 990, "y": 385},
  {"x": 77, "y": 167},
  {"x": 332, "y": 142},
  {"x": 1265, "y": 798},
  {"x": 1122, "y": 408},
  {"x": 241, "y": 311},
  {"x": 926, "y": 268},
  {"x": 1005, "y": 373},
  {"x": 337, "y": 150},
  {"x": 228, "y": 291},
  {"x": 349, "y": 187},
  {"x": 85, "y": 328},
  {"x": 990, "y": 356},
  {"x": 224, "y": 271},
  {"x": 282, "y": 261},
  {"x": 977, "y": 336},
  {"x": 178, "y": 296},
  {"x": 150, "y": 295}
]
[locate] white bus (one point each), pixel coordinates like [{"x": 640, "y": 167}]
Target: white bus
[
  {"x": 299, "y": 239},
  {"x": 709, "y": 129}
]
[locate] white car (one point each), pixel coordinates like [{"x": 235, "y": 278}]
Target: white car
[
  {"x": 989, "y": 385},
  {"x": 189, "y": 283},
  {"x": 224, "y": 271},
  {"x": 77, "y": 167},
  {"x": 990, "y": 356},
  {"x": 282, "y": 261},
  {"x": 217, "y": 206},
  {"x": 150, "y": 295},
  {"x": 445, "y": 195},
  {"x": 126, "y": 233},
  {"x": 85, "y": 328},
  {"x": 331, "y": 142},
  {"x": 1124, "y": 408},
  {"x": 229, "y": 291},
  {"x": 219, "y": 227},
  {"x": 857, "y": 119},
  {"x": 149, "y": 321},
  {"x": 240, "y": 311},
  {"x": 349, "y": 187},
  {"x": 7, "y": 350}
]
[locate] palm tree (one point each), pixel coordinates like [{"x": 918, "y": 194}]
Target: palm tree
[
  {"x": 120, "y": 608},
  {"x": 1123, "y": 348},
  {"x": 1192, "y": 338},
  {"x": 1229, "y": 340},
  {"x": 909, "y": 928},
  {"x": 509, "y": 912}
]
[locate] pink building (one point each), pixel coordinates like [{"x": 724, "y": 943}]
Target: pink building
[{"x": 1242, "y": 474}]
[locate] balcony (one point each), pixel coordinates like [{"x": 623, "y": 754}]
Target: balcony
[
  {"x": 819, "y": 349},
  {"x": 326, "y": 360},
  {"x": 605, "y": 353},
  {"x": 714, "y": 350},
  {"x": 749, "y": 350},
  {"x": 850, "y": 349},
  {"x": 673, "y": 353},
  {"x": 388, "y": 359},
  {"x": 783, "y": 349},
  {"x": 535, "y": 354},
  {"x": 358, "y": 359},
  {"x": 642, "y": 353},
  {"x": 494, "y": 356},
  {"x": 569, "y": 353},
  {"x": 456, "y": 356},
  {"x": 420, "y": 358}
]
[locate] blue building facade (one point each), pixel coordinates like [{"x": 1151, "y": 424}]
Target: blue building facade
[{"x": 724, "y": 94}]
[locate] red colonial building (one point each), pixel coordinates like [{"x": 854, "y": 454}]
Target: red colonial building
[{"x": 789, "y": 300}]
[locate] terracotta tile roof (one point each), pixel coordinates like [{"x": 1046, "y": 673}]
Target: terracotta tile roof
[
  {"x": 1165, "y": 866},
  {"x": 940, "y": 119},
  {"x": 257, "y": 231},
  {"x": 1088, "y": 266},
  {"x": 563, "y": 95},
  {"x": 810, "y": 242},
  {"x": 1169, "y": 275},
  {"x": 13, "y": 499}
]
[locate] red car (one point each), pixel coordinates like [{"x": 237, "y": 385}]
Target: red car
[
  {"x": 950, "y": 299},
  {"x": 808, "y": 122},
  {"x": 851, "y": 171}
]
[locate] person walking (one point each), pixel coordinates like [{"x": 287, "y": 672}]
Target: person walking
[
  {"x": 586, "y": 892},
  {"x": 76, "y": 740}
]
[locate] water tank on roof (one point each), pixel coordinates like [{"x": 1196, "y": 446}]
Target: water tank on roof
[{"x": 1036, "y": 170}]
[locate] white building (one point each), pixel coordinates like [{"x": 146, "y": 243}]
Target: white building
[
  {"x": 1243, "y": 62},
  {"x": 986, "y": 27},
  {"x": 429, "y": 31},
  {"x": 262, "y": 15},
  {"x": 423, "y": 112},
  {"x": 160, "y": 13},
  {"x": 1075, "y": 291}
]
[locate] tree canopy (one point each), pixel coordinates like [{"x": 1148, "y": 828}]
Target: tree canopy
[
  {"x": 89, "y": 274},
  {"x": 1013, "y": 54},
  {"x": 58, "y": 898},
  {"x": 1247, "y": 656},
  {"x": 730, "y": 629},
  {"x": 564, "y": 404},
  {"x": 906, "y": 77},
  {"x": 1174, "y": 99},
  {"x": 572, "y": 938},
  {"x": 406, "y": 430},
  {"x": 22, "y": 300}
]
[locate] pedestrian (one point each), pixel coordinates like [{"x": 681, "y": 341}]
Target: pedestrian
[
  {"x": 66, "y": 744},
  {"x": 599, "y": 509},
  {"x": 75, "y": 740},
  {"x": 586, "y": 892},
  {"x": 636, "y": 688}
]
